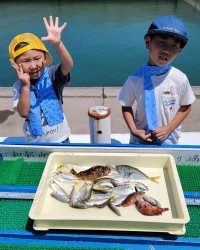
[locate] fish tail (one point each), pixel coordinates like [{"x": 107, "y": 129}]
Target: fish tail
[
  {"x": 165, "y": 209},
  {"x": 155, "y": 179}
]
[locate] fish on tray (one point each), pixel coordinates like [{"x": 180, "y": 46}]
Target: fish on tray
[
  {"x": 93, "y": 173},
  {"x": 132, "y": 198},
  {"x": 100, "y": 186},
  {"x": 135, "y": 173},
  {"x": 65, "y": 177},
  {"x": 146, "y": 208}
]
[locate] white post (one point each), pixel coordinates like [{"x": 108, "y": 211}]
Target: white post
[{"x": 99, "y": 122}]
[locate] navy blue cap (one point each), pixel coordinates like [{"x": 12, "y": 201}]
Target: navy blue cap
[{"x": 169, "y": 25}]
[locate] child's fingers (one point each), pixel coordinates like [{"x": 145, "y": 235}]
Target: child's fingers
[
  {"x": 13, "y": 64},
  {"x": 20, "y": 68},
  {"x": 45, "y": 22},
  {"x": 56, "y": 22},
  {"x": 51, "y": 20},
  {"x": 63, "y": 26},
  {"x": 45, "y": 38}
]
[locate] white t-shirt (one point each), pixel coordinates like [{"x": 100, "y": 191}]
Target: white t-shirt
[
  {"x": 172, "y": 90},
  {"x": 57, "y": 133}
]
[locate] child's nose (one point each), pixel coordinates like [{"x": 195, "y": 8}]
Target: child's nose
[
  {"x": 32, "y": 64},
  {"x": 168, "y": 47},
  {"x": 166, "y": 51}
]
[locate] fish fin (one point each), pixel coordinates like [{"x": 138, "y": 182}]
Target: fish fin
[
  {"x": 154, "y": 179},
  {"x": 72, "y": 171},
  {"x": 114, "y": 209}
]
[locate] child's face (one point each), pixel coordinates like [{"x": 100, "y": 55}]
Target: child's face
[
  {"x": 162, "y": 49},
  {"x": 32, "y": 62}
]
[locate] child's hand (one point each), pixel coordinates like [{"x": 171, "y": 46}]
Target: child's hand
[
  {"x": 161, "y": 133},
  {"x": 53, "y": 30},
  {"x": 143, "y": 135},
  {"x": 23, "y": 77}
]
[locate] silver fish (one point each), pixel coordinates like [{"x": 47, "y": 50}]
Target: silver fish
[
  {"x": 56, "y": 188},
  {"x": 62, "y": 198},
  {"x": 92, "y": 203},
  {"x": 117, "y": 200},
  {"x": 123, "y": 190},
  {"x": 65, "y": 168},
  {"x": 152, "y": 201},
  {"x": 81, "y": 191},
  {"x": 103, "y": 184},
  {"x": 100, "y": 196},
  {"x": 64, "y": 177},
  {"x": 135, "y": 173},
  {"x": 140, "y": 187},
  {"x": 105, "y": 180},
  {"x": 119, "y": 179}
]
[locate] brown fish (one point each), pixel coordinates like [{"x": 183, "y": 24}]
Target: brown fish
[
  {"x": 93, "y": 173},
  {"x": 146, "y": 208},
  {"x": 132, "y": 198}
]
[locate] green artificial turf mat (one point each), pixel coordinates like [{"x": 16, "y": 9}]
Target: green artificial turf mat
[
  {"x": 189, "y": 176},
  {"x": 40, "y": 247},
  {"x": 20, "y": 172},
  {"x": 192, "y": 227},
  {"x": 14, "y": 214}
]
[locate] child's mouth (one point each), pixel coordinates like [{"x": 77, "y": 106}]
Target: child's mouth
[
  {"x": 163, "y": 58},
  {"x": 35, "y": 73}
]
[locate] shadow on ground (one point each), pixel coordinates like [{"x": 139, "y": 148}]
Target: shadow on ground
[{"x": 4, "y": 114}]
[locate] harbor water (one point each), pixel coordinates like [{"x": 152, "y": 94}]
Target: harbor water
[{"x": 105, "y": 38}]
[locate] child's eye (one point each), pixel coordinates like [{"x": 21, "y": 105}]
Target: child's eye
[
  {"x": 160, "y": 43},
  {"x": 23, "y": 61},
  {"x": 174, "y": 46}
]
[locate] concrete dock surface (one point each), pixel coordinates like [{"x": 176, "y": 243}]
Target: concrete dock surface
[{"x": 77, "y": 102}]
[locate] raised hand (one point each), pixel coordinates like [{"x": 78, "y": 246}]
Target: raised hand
[{"x": 53, "y": 30}]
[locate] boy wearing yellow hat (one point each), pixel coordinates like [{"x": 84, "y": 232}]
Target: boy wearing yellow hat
[{"x": 37, "y": 94}]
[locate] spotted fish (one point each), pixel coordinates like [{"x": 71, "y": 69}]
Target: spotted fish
[
  {"x": 93, "y": 173},
  {"x": 146, "y": 208}
]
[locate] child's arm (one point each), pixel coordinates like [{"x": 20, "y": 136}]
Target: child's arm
[
  {"x": 163, "y": 132},
  {"x": 129, "y": 119},
  {"x": 54, "y": 36}
]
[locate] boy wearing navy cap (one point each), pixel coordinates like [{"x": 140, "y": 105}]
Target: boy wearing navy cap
[{"x": 160, "y": 93}]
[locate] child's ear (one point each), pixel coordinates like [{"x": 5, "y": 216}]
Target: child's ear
[{"x": 147, "y": 40}]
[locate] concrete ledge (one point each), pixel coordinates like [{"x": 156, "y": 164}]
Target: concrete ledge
[
  {"x": 77, "y": 101},
  {"x": 85, "y": 91},
  {"x": 194, "y": 4}
]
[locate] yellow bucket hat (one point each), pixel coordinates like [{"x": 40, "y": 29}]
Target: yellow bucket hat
[{"x": 33, "y": 43}]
